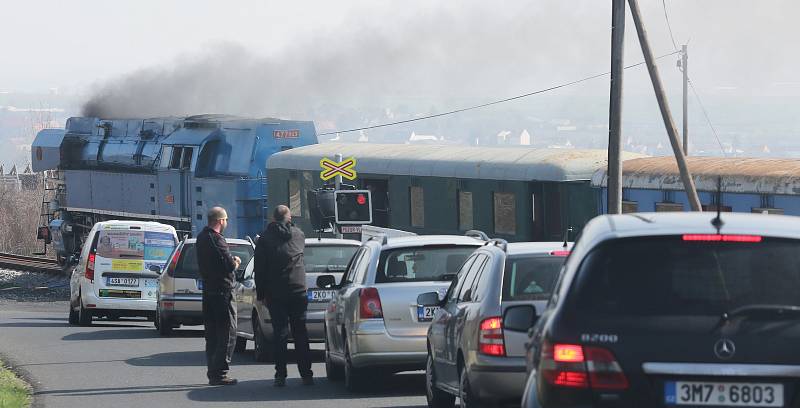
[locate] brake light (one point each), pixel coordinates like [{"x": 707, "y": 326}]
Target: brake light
[
  {"x": 490, "y": 338},
  {"x": 370, "y": 304},
  {"x": 576, "y": 366},
  {"x": 559, "y": 253},
  {"x": 722, "y": 238},
  {"x": 174, "y": 263},
  {"x": 90, "y": 267}
]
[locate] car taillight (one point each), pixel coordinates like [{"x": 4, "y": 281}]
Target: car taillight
[
  {"x": 559, "y": 253},
  {"x": 722, "y": 238},
  {"x": 370, "y": 304},
  {"x": 490, "y": 338},
  {"x": 174, "y": 263},
  {"x": 90, "y": 267},
  {"x": 576, "y": 366}
]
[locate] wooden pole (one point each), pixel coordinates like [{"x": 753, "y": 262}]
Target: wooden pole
[
  {"x": 686, "y": 177},
  {"x": 614, "y": 192}
]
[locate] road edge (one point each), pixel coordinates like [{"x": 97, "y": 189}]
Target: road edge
[{"x": 24, "y": 375}]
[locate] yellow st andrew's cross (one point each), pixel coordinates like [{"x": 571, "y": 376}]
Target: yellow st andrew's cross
[{"x": 331, "y": 169}]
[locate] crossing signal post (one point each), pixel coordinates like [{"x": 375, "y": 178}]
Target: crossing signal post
[{"x": 353, "y": 207}]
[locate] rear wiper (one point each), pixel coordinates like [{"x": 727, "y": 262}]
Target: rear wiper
[{"x": 777, "y": 311}]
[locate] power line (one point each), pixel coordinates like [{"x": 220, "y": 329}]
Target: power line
[
  {"x": 666, "y": 17},
  {"x": 483, "y": 105},
  {"x": 708, "y": 119}
]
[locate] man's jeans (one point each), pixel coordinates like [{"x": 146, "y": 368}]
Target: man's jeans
[
  {"x": 285, "y": 312},
  {"x": 219, "y": 316}
]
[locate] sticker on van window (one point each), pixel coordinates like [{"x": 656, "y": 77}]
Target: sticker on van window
[
  {"x": 127, "y": 265},
  {"x": 121, "y": 244},
  {"x": 158, "y": 246}
]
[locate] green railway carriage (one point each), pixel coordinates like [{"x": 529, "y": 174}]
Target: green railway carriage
[{"x": 515, "y": 193}]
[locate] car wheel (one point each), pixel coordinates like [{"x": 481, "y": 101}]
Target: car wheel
[
  {"x": 163, "y": 324},
  {"x": 73, "y": 315},
  {"x": 241, "y": 345},
  {"x": 84, "y": 315},
  {"x": 436, "y": 397},
  {"x": 468, "y": 400},
  {"x": 353, "y": 376},
  {"x": 262, "y": 351},
  {"x": 332, "y": 370}
]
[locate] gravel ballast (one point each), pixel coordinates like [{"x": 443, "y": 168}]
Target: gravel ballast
[{"x": 18, "y": 286}]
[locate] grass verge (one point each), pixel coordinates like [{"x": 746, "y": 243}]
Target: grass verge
[{"x": 14, "y": 393}]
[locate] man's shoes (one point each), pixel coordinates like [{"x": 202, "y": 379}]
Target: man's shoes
[
  {"x": 223, "y": 381},
  {"x": 279, "y": 382},
  {"x": 308, "y": 380}
]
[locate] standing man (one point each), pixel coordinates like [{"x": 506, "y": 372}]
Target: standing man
[
  {"x": 217, "y": 268},
  {"x": 280, "y": 276}
]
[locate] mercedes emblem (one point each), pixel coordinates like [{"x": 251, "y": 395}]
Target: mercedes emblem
[{"x": 724, "y": 349}]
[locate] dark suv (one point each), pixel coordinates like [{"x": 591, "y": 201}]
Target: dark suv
[{"x": 657, "y": 310}]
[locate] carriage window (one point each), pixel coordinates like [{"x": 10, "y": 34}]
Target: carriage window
[
  {"x": 465, "y": 210},
  {"x": 295, "y": 205},
  {"x": 629, "y": 207},
  {"x": 417, "y": 206},
  {"x": 505, "y": 211},
  {"x": 181, "y": 157}
]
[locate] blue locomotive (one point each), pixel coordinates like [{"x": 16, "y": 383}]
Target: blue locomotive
[{"x": 170, "y": 170}]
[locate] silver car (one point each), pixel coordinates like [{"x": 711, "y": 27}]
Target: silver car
[
  {"x": 322, "y": 256},
  {"x": 476, "y": 342},
  {"x": 180, "y": 291},
  {"x": 374, "y": 321}
]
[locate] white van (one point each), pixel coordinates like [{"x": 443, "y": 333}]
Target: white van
[{"x": 115, "y": 275}]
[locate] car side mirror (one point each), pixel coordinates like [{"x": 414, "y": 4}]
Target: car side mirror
[
  {"x": 326, "y": 281},
  {"x": 429, "y": 299},
  {"x": 155, "y": 268},
  {"x": 519, "y": 318}
]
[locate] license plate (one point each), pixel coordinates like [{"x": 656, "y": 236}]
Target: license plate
[
  {"x": 425, "y": 313},
  {"x": 723, "y": 394},
  {"x": 316, "y": 295},
  {"x": 123, "y": 281},
  {"x": 199, "y": 284}
]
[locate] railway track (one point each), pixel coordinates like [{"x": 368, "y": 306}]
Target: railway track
[{"x": 29, "y": 263}]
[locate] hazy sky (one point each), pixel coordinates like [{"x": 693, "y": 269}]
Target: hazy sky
[{"x": 352, "y": 48}]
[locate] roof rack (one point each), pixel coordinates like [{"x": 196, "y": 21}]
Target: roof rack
[
  {"x": 383, "y": 238},
  {"x": 498, "y": 242},
  {"x": 477, "y": 234}
]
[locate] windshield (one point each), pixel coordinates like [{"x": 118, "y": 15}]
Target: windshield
[
  {"x": 426, "y": 263},
  {"x": 187, "y": 268},
  {"x": 531, "y": 277},
  {"x": 328, "y": 258},
  {"x": 670, "y": 276}
]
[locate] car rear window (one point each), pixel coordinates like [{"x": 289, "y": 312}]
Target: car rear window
[
  {"x": 673, "y": 276},
  {"x": 134, "y": 249},
  {"x": 530, "y": 277},
  {"x": 188, "y": 268},
  {"x": 424, "y": 263},
  {"x": 328, "y": 258}
]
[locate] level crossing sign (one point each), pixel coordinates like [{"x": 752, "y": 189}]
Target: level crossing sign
[{"x": 331, "y": 169}]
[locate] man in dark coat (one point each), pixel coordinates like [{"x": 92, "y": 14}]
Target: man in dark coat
[
  {"x": 217, "y": 268},
  {"x": 281, "y": 283}
]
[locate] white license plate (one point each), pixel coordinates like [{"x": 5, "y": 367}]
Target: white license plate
[
  {"x": 316, "y": 295},
  {"x": 425, "y": 313},
  {"x": 123, "y": 281},
  {"x": 723, "y": 394}
]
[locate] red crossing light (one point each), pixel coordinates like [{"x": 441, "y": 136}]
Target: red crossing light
[{"x": 361, "y": 199}]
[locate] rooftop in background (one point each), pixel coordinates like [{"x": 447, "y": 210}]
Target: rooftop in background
[
  {"x": 739, "y": 175},
  {"x": 490, "y": 163}
]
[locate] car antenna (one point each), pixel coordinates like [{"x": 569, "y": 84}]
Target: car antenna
[
  {"x": 717, "y": 221},
  {"x": 566, "y": 236}
]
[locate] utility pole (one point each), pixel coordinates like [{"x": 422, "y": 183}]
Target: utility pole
[
  {"x": 614, "y": 200},
  {"x": 338, "y": 185},
  {"x": 669, "y": 123},
  {"x": 685, "y": 69}
]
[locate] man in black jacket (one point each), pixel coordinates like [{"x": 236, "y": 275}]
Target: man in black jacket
[
  {"x": 281, "y": 283},
  {"x": 217, "y": 268}
]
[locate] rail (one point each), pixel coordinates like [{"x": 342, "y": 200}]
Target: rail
[{"x": 29, "y": 263}]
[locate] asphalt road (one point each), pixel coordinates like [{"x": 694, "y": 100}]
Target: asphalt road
[{"x": 126, "y": 364}]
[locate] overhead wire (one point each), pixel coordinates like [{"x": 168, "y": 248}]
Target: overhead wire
[
  {"x": 691, "y": 84},
  {"x": 496, "y": 102}
]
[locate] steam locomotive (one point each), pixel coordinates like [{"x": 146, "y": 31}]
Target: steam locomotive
[{"x": 170, "y": 170}]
